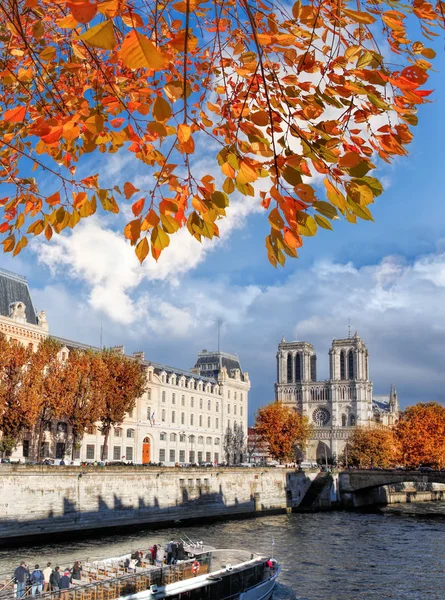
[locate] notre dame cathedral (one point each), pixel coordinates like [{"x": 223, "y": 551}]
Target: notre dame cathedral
[{"x": 337, "y": 405}]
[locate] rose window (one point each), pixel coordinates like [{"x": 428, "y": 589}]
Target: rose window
[{"x": 321, "y": 416}]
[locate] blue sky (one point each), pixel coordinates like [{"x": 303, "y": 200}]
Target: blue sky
[{"x": 388, "y": 277}]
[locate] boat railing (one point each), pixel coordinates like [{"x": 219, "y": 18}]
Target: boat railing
[{"x": 112, "y": 587}]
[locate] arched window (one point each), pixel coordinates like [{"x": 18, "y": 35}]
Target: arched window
[
  {"x": 298, "y": 367},
  {"x": 173, "y": 437},
  {"x": 351, "y": 365},
  {"x": 217, "y": 441},
  {"x": 352, "y": 420},
  {"x": 344, "y": 420},
  {"x": 208, "y": 440},
  {"x": 289, "y": 368},
  {"x": 313, "y": 368},
  {"x": 342, "y": 365},
  {"x": 192, "y": 439},
  {"x": 200, "y": 439}
]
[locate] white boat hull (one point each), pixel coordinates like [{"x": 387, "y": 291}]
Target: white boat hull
[{"x": 264, "y": 591}]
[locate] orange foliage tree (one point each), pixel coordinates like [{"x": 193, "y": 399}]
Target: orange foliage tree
[
  {"x": 421, "y": 434},
  {"x": 84, "y": 383},
  {"x": 283, "y": 429},
  {"x": 373, "y": 447},
  {"x": 125, "y": 382},
  {"x": 280, "y": 93},
  {"x": 19, "y": 398}
]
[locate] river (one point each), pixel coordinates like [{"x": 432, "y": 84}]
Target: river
[{"x": 395, "y": 554}]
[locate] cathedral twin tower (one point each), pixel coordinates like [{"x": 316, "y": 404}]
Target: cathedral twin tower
[{"x": 336, "y": 405}]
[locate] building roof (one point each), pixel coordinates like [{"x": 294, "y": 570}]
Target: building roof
[
  {"x": 211, "y": 363},
  {"x": 14, "y": 288}
]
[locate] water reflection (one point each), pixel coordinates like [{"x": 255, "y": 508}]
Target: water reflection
[{"x": 396, "y": 554}]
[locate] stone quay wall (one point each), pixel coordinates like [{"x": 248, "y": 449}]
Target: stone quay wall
[{"x": 41, "y": 501}]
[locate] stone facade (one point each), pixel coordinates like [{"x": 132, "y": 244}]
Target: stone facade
[
  {"x": 335, "y": 406},
  {"x": 181, "y": 418}
]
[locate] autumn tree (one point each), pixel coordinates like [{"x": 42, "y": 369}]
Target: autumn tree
[
  {"x": 48, "y": 380},
  {"x": 125, "y": 382},
  {"x": 84, "y": 379},
  {"x": 19, "y": 398},
  {"x": 279, "y": 93},
  {"x": 421, "y": 434},
  {"x": 283, "y": 429},
  {"x": 373, "y": 447}
]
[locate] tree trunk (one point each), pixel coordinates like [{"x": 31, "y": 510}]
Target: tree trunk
[
  {"x": 106, "y": 430},
  {"x": 73, "y": 449}
]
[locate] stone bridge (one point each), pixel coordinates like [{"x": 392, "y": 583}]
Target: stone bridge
[{"x": 367, "y": 487}]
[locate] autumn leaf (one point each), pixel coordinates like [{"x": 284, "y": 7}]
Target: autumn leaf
[
  {"x": 83, "y": 12},
  {"x": 142, "y": 250},
  {"x": 138, "y": 52},
  {"x": 129, "y": 189},
  {"x": 15, "y": 115},
  {"x": 100, "y": 36},
  {"x": 161, "y": 109}
]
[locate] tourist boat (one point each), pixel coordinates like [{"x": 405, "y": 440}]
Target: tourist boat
[{"x": 205, "y": 574}]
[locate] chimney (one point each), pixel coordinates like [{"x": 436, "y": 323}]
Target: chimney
[{"x": 139, "y": 355}]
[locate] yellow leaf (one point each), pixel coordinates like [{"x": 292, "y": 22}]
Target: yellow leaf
[
  {"x": 275, "y": 219},
  {"x": 161, "y": 109},
  {"x": 334, "y": 195},
  {"x": 359, "y": 16},
  {"x": 138, "y": 52},
  {"x": 47, "y": 53},
  {"x": 142, "y": 250},
  {"x": 159, "y": 239},
  {"x": 323, "y": 222},
  {"x": 100, "y": 36}
]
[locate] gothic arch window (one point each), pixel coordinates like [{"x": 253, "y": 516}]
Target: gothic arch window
[
  {"x": 344, "y": 420},
  {"x": 351, "y": 365},
  {"x": 313, "y": 367},
  {"x": 342, "y": 365},
  {"x": 289, "y": 367},
  {"x": 352, "y": 420},
  {"x": 298, "y": 367}
]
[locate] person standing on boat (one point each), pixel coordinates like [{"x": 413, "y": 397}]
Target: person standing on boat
[
  {"x": 154, "y": 550},
  {"x": 36, "y": 581},
  {"x": 76, "y": 572},
  {"x": 21, "y": 575},
  {"x": 46, "y": 578},
  {"x": 64, "y": 585},
  {"x": 54, "y": 580},
  {"x": 169, "y": 550},
  {"x": 160, "y": 556}
]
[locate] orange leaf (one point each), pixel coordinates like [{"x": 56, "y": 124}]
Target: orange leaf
[
  {"x": 184, "y": 132},
  {"x": 53, "y": 199},
  {"x": 15, "y": 115},
  {"x": 132, "y": 231},
  {"x": 138, "y": 207},
  {"x": 83, "y": 12},
  {"x": 142, "y": 250},
  {"x": 129, "y": 189}
]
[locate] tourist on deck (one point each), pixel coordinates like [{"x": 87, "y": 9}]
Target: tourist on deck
[
  {"x": 159, "y": 556},
  {"x": 64, "y": 585},
  {"x": 46, "y": 578},
  {"x": 131, "y": 566},
  {"x": 54, "y": 580},
  {"x": 153, "y": 551},
  {"x": 21, "y": 577},
  {"x": 169, "y": 551},
  {"x": 36, "y": 581},
  {"x": 76, "y": 572},
  {"x": 180, "y": 551}
]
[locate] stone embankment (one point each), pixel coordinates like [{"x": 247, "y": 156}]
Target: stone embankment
[{"x": 54, "y": 501}]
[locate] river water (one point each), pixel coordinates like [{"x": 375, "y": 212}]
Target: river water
[{"x": 396, "y": 554}]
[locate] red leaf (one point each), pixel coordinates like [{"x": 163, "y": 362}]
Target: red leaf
[
  {"x": 117, "y": 122},
  {"x": 53, "y": 199}
]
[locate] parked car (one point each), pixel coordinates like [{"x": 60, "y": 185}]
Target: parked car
[
  {"x": 6, "y": 460},
  {"x": 308, "y": 464}
]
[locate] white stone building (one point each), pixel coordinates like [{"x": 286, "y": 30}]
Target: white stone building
[
  {"x": 337, "y": 405},
  {"x": 181, "y": 418}
]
